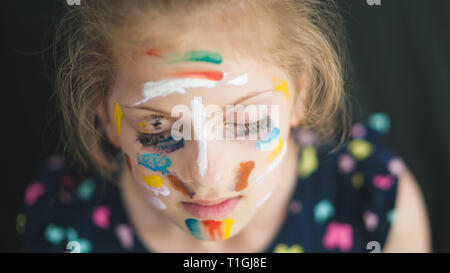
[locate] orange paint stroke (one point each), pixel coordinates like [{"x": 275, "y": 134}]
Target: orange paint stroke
[
  {"x": 244, "y": 172},
  {"x": 127, "y": 158},
  {"x": 212, "y": 226},
  {"x": 212, "y": 75},
  {"x": 152, "y": 53},
  {"x": 180, "y": 186}
]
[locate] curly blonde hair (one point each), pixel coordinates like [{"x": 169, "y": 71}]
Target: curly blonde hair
[{"x": 301, "y": 36}]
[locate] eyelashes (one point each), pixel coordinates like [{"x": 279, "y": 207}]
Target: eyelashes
[
  {"x": 149, "y": 140},
  {"x": 259, "y": 128},
  {"x": 159, "y": 141}
]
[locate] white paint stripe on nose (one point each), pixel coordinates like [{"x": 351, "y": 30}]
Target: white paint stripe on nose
[{"x": 200, "y": 133}]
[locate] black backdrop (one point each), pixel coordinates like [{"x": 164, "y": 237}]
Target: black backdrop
[{"x": 400, "y": 65}]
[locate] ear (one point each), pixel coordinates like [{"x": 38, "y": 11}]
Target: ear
[
  {"x": 107, "y": 125},
  {"x": 299, "y": 99}
]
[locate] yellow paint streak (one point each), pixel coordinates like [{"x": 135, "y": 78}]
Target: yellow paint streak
[
  {"x": 282, "y": 87},
  {"x": 275, "y": 152},
  {"x": 117, "y": 117},
  {"x": 153, "y": 181},
  {"x": 227, "y": 223}
]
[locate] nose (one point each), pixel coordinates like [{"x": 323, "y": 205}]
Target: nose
[{"x": 206, "y": 165}]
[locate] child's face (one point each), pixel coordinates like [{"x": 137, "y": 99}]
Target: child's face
[{"x": 212, "y": 187}]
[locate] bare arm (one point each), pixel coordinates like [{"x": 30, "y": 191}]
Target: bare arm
[{"x": 410, "y": 230}]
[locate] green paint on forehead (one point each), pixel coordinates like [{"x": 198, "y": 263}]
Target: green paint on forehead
[{"x": 194, "y": 56}]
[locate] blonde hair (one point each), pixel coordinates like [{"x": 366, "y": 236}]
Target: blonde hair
[{"x": 306, "y": 36}]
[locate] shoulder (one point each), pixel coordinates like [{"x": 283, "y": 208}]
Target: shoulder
[
  {"x": 410, "y": 231},
  {"x": 62, "y": 207}
]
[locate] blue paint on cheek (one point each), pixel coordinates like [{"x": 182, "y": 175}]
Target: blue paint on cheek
[
  {"x": 268, "y": 141},
  {"x": 194, "y": 227},
  {"x": 154, "y": 162}
]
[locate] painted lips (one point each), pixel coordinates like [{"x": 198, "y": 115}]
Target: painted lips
[{"x": 211, "y": 209}]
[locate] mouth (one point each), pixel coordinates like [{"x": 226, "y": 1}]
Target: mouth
[{"x": 211, "y": 209}]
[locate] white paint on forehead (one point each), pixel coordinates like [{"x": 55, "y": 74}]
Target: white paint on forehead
[
  {"x": 239, "y": 80},
  {"x": 162, "y": 88},
  {"x": 157, "y": 203},
  {"x": 273, "y": 165},
  {"x": 200, "y": 133},
  {"x": 165, "y": 87}
]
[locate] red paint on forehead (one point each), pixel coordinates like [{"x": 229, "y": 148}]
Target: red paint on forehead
[
  {"x": 212, "y": 75},
  {"x": 152, "y": 53}
]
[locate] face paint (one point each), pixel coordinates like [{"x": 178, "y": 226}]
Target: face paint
[
  {"x": 244, "y": 172},
  {"x": 153, "y": 180},
  {"x": 157, "y": 203},
  {"x": 267, "y": 143},
  {"x": 154, "y": 162},
  {"x": 239, "y": 80},
  {"x": 273, "y": 165},
  {"x": 144, "y": 125},
  {"x": 200, "y": 133},
  {"x": 282, "y": 87},
  {"x": 169, "y": 145},
  {"x": 117, "y": 117},
  {"x": 166, "y": 87},
  {"x": 208, "y": 75},
  {"x": 128, "y": 161},
  {"x": 220, "y": 228},
  {"x": 178, "y": 185},
  {"x": 153, "y": 53},
  {"x": 194, "y": 56},
  {"x": 275, "y": 152},
  {"x": 264, "y": 199},
  {"x": 163, "y": 190},
  {"x": 194, "y": 228}
]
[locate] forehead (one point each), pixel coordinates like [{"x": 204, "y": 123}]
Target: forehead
[{"x": 187, "y": 50}]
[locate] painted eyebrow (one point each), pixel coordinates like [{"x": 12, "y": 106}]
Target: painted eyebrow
[{"x": 238, "y": 101}]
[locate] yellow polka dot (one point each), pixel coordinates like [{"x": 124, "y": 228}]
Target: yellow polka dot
[
  {"x": 357, "y": 180},
  {"x": 360, "y": 149},
  {"x": 282, "y": 248},
  {"x": 153, "y": 181},
  {"x": 308, "y": 161},
  {"x": 21, "y": 220}
]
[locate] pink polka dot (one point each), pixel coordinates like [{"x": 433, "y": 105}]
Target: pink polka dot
[
  {"x": 33, "y": 192},
  {"x": 370, "y": 220},
  {"x": 396, "y": 166},
  {"x": 358, "y": 131},
  {"x": 66, "y": 181},
  {"x": 295, "y": 207},
  {"x": 346, "y": 163},
  {"x": 125, "y": 235},
  {"x": 100, "y": 216},
  {"x": 55, "y": 163},
  {"x": 383, "y": 182},
  {"x": 306, "y": 137}
]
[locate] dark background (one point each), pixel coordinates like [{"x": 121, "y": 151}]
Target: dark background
[{"x": 400, "y": 65}]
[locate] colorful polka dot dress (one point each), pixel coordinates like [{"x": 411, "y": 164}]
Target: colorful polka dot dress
[{"x": 343, "y": 202}]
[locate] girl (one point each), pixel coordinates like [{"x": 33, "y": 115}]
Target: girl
[{"x": 216, "y": 126}]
